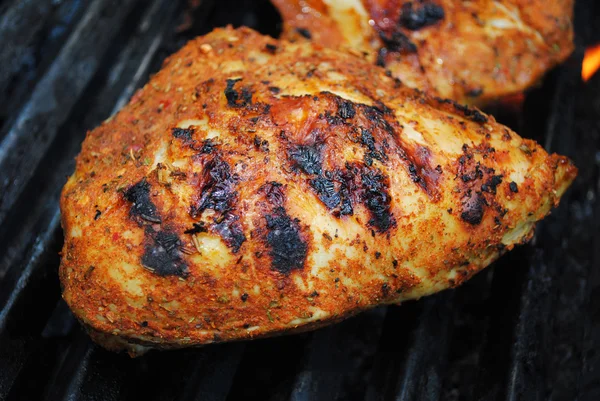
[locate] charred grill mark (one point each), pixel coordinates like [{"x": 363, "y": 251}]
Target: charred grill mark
[
  {"x": 288, "y": 249},
  {"x": 333, "y": 190},
  {"x": 368, "y": 141},
  {"x": 230, "y": 229},
  {"x": 415, "y": 18},
  {"x": 161, "y": 254},
  {"x": 341, "y": 189},
  {"x": 345, "y": 109},
  {"x": 416, "y": 157},
  {"x": 307, "y": 158},
  {"x": 218, "y": 194},
  {"x": 376, "y": 116},
  {"x": 142, "y": 206},
  {"x": 326, "y": 192},
  {"x": 376, "y": 199},
  {"x": 237, "y": 99}
]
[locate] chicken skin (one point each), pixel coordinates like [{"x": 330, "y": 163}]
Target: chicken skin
[
  {"x": 470, "y": 51},
  {"x": 257, "y": 187}
]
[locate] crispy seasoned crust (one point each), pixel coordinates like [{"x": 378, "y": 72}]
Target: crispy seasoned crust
[
  {"x": 468, "y": 51},
  {"x": 256, "y": 187}
]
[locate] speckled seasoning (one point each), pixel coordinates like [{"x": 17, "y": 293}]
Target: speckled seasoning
[
  {"x": 469, "y": 51},
  {"x": 263, "y": 212}
]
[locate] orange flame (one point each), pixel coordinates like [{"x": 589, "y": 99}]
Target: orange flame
[{"x": 591, "y": 62}]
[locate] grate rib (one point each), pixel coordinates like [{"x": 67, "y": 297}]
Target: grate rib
[{"x": 54, "y": 96}]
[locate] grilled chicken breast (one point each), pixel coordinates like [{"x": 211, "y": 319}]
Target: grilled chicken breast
[
  {"x": 468, "y": 51},
  {"x": 256, "y": 187}
]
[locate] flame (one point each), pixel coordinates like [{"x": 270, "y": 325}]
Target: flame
[{"x": 591, "y": 62}]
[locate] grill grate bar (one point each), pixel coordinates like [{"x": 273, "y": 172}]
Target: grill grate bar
[
  {"x": 335, "y": 353},
  {"x": 569, "y": 247},
  {"x": 15, "y": 351},
  {"x": 494, "y": 353},
  {"x": 54, "y": 96},
  {"x": 526, "y": 372},
  {"x": 426, "y": 358},
  {"x": 44, "y": 216},
  {"x": 32, "y": 33},
  {"x": 414, "y": 339},
  {"x": 212, "y": 373}
]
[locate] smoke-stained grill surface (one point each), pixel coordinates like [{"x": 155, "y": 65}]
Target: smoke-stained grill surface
[{"x": 527, "y": 328}]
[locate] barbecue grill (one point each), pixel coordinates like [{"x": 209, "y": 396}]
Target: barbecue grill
[{"x": 527, "y": 328}]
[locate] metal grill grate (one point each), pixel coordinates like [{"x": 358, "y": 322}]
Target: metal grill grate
[{"x": 525, "y": 329}]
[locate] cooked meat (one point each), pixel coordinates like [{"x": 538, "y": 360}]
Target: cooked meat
[
  {"x": 255, "y": 187},
  {"x": 468, "y": 51}
]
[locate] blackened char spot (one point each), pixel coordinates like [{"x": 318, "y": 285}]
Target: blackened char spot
[
  {"x": 196, "y": 228},
  {"x": 142, "y": 206},
  {"x": 491, "y": 184},
  {"x": 183, "y": 133},
  {"x": 381, "y": 57},
  {"x": 230, "y": 229},
  {"x": 261, "y": 144},
  {"x": 376, "y": 115},
  {"x": 271, "y": 48},
  {"x": 475, "y": 92},
  {"x": 513, "y": 187},
  {"x": 398, "y": 42},
  {"x": 208, "y": 146},
  {"x": 307, "y": 158},
  {"x": 217, "y": 192},
  {"x": 422, "y": 172},
  {"x": 472, "y": 208},
  {"x": 368, "y": 141},
  {"x": 332, "y": 188},
  {"x": 274, "y": 193},
  {"x": 377, "y": 199},
  {"x": 418, "y": 17},
  {"x": 345, "y": 109},
  {"x": 304, "y": 33},
  {"x": 237, "y": 99},
  {"x": 162, "y": 255},
  {"x": 288, "y": 250},
  {"x": 326, "y": 192},
  {"x": 470, "y": 113}
]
